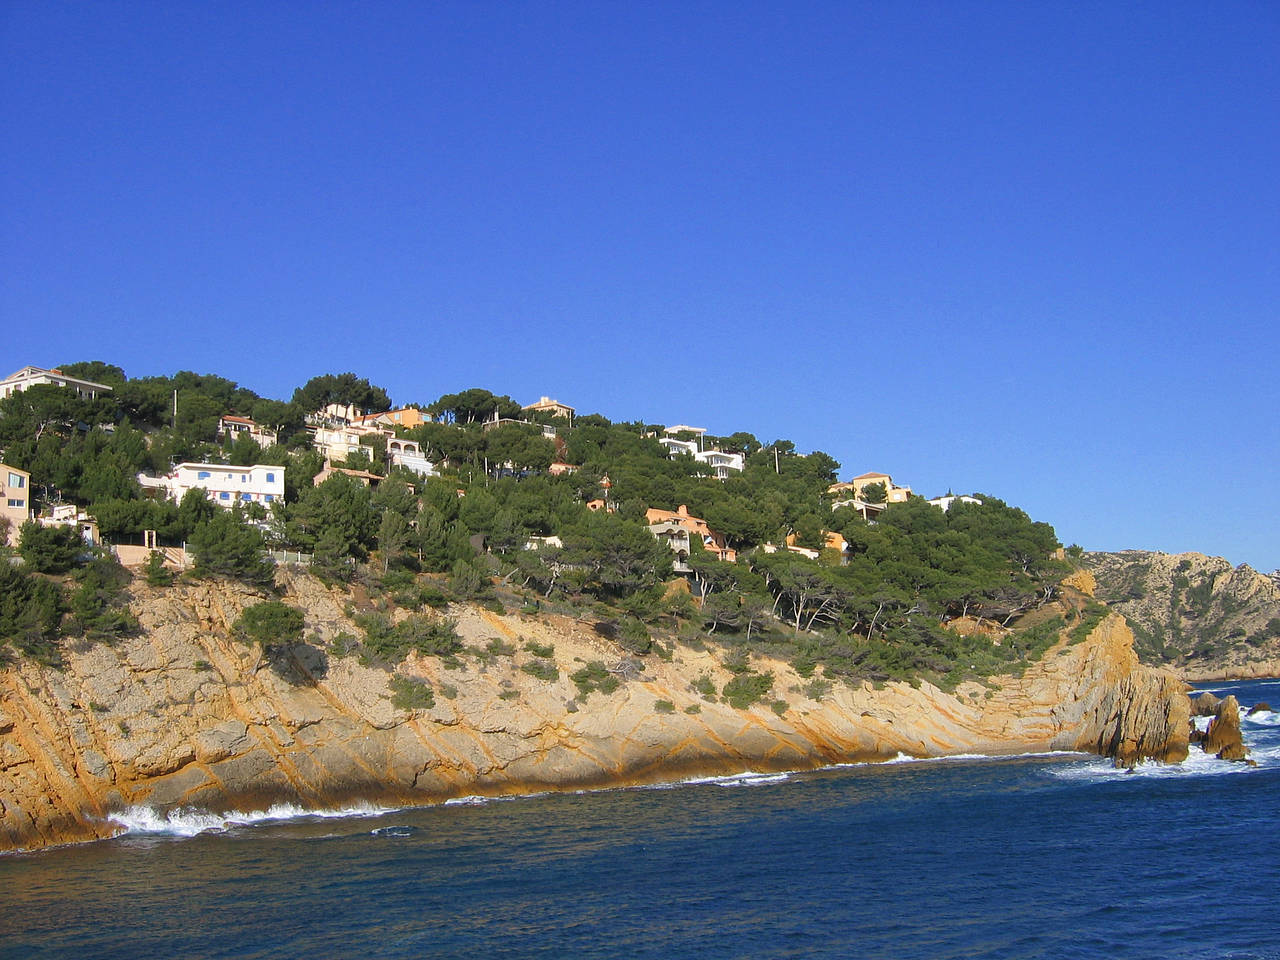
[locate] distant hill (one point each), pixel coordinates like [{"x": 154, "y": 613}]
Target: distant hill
[{"x": 1196, "y": 613}]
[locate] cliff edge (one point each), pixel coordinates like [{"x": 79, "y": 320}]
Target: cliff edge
[{"x": 184, "y": 715}]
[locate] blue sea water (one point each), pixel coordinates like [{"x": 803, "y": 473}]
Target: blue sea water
[{"x": 1040, "y": 856}]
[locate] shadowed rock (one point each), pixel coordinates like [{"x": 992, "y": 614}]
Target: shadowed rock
[
  {"x": 1204, "y": 705},
  {"x": 1263, "y": 707}
]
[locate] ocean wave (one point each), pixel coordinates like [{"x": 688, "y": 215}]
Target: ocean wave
[
  {"x": 747, "y": 779},
  {"x": 190, "y": 821},
  {"x": 1197, "y": 764},
  {"x": 1268, "y": 718}
]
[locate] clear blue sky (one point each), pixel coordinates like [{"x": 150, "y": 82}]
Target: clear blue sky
[{"x": 1023, "y": 248}]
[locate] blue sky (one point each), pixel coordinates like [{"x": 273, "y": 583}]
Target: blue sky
[{"x": 1027, "y": 249}]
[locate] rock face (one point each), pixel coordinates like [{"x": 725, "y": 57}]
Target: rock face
[
  {"x": 1195, "y": 613},
  {"x": 1223, "y": 739},
  {"x": 184, "y": 715}
]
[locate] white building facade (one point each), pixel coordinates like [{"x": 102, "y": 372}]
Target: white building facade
[
  {"x": 33, "y": 376},
  {"x": 225, "y": 485}
]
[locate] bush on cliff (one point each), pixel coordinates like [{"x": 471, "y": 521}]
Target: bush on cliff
[
  {"x": 226, "y": 546},
  {"x": 30, "y": 612},
  {"x": 270, "y": 624}
]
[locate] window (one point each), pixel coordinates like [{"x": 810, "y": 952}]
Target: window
[
  {"x": 17, "y": 480},
  {"x": 203, "y": 475},
  {"x": 271, "y": 478},
  {"x": 17, "y": 503},
  {"x": 244, "y": 478},
  {"x": 270, "y": 497},
  {"x": 224, "y": 495},
  {"x": 246, "y": 496}
]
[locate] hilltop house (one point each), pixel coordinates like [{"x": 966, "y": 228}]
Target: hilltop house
[
  {"x": 858, "y": 486},
  {"x": 553, "y": 407},
  {"x": 406, "y": 417},
  {"x": 697, "y": 527},
  {"x": 944, "y": 503},
  {"x": 722, "y": 461},
  {"x": 32, "y": 376},
  {"x": 15, "y": 500},
  {"x": 233, "y": 427},
  {"x": 224, "y": 484}
]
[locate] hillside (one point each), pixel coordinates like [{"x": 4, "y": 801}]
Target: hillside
[
  {"x": 1195, "y": 613},
  {"x": 186, "y": 712}
]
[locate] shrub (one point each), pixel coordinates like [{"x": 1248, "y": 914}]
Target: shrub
[
  {"x": 817, "y": 688},
  {"x": 705, "y": 686},
  {"x": 50, "y": 549},
  {"x": 98, "y": 607},
  {"x": 30, "y": 613},
  {"x": 497, "y": 647},
  {"x": 633, "y": 636},
  {"x": 410, "y": 693},
  {"x": 270, "y": 624},
  {"x": 594, "y": 676},
  {"x": 226, "y": 546},
  {"x": 779, "y": 707},
  {"x": 693, "y": 708},
  {"x": 747, "y": 688},
  {"x": 544, "y": 650},
  {"x": 664, "y": 706},
  {"x": 542, "y": 670},
  {"x": 385, "y": 642},
  {"x": 157, "y": 574}
]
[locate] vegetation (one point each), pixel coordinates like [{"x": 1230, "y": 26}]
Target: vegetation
[
  {"x": 594, "y": 677},
  {"x": 411, "y": 693},
  {"x": 270, "y": 624},
  {"x": 880, "y": 611}
]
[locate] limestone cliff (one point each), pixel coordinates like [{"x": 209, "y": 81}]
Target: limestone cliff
[
  {"x": 184, "y": 715},
  {"x": 1197, "y": 614}
]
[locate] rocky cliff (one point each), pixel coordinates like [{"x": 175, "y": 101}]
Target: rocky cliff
[
  {"x": 1197, "y": 614},
  {"x": 183, "y": 715}
]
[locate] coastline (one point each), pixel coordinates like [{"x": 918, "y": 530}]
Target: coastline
[{"x": 192, "y": 724}]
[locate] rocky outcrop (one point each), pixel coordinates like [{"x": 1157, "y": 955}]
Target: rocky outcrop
[
  {"x": 1223, "y": 738},
  {"x": 1204, "y": 704},
  {"x": 1198, "y": 614},
  {"x": 183, "y": 715}
]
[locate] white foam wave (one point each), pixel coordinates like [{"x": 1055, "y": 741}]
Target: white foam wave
[
  {"x": 950, "y": 757},
  {"x": 472, "y": 801},
  {"x": 189, "y": 821},
  {"x": 1265, "y": 718},
  {"x": 748, "y": 779},
  {"x": 1197, "y": 764}
]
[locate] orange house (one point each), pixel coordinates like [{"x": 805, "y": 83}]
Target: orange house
[{"x": 697, "y": 527}]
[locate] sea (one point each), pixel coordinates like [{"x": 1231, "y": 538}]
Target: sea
[{"x": 1049, "y": 855}]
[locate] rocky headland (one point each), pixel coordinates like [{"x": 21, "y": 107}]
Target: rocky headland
[
  {"x": 1197, "y": 614},
  {"x": 185, "y": 715}
]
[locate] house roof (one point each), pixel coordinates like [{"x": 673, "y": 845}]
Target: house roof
[
  {"x": 873, "y": 476},
  {"x": 32, "y": 371}
]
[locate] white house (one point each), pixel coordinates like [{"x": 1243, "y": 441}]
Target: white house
[
  {"x": 225, "y": 485},
  {"x": 944, "y": 503},
  {"x": 408, "y": 454},
  {"x": 721, "y": 461},
  {"x": 31, "y": 376}
]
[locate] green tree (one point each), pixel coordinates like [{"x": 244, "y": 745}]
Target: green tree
[
  {"x": 226, "y": 546},
  {"x": 50, "y": 549}
]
